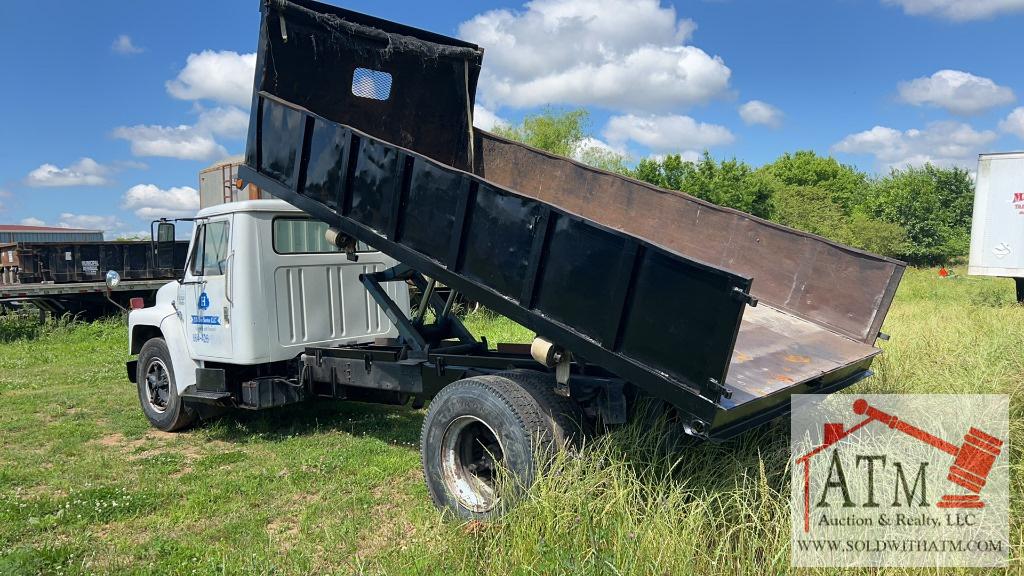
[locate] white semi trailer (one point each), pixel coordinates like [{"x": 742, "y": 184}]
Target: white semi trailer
[{"x": 997, "y": 229}]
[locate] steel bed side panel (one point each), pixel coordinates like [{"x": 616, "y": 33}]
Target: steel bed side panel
[
  {"x": 844, "y": 289},
  {"x": 654, "y": 317}
]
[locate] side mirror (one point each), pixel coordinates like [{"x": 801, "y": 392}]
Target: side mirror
[
  {"x": 165, "y": 232},
  {"x": 112, "y": 279}
]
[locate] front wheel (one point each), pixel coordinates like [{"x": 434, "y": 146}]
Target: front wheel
[
  {"x": 484, "y": 440},
  {"x": 158, "y": 394}
]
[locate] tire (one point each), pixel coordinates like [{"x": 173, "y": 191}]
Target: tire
[
  {"x": 564, "y": 415},
  {"x": 476, "y": 422},
  {"x": 158, "y": 395}
]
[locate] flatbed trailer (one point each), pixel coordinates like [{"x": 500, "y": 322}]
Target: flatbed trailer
[
  {"x": 367, "y": 125},
  {"x": 85, "y": 299},
  {"x": 71, "y": 262}
]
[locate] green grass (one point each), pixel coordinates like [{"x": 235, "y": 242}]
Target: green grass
[{"x": 87, "y": 487}]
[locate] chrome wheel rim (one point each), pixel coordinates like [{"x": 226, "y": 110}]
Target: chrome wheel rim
[
  {"x": 470, "y": 457},
  {"x": 158, "y": 385}
]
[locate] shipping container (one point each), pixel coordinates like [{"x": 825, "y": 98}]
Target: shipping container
[{"x": 218, "y": 184}]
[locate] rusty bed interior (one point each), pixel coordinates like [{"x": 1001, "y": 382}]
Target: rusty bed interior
[
  {"x": 821, "y": 304},
  {"x": 775, "y": 350}
]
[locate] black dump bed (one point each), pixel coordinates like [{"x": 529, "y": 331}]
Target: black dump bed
[{"x": 367, "y": 125}]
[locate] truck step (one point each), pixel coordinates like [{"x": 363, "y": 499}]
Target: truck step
[{"x": 207, "y": 397}]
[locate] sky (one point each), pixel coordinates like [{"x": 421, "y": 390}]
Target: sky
[{"x": 110, "y": 109}]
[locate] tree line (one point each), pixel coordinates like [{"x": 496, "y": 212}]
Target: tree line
[{"x": 918, "y": 214}]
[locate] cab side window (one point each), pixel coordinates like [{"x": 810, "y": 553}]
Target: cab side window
[
  {"x": 210, "y": 249},
  {"x": 298, "y": 235},
  {"x": 196, "y": 257},
  {"x": 215, "y": 248}
]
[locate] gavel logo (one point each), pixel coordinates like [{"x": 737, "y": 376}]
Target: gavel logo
[{"x": 973, "y": 459}]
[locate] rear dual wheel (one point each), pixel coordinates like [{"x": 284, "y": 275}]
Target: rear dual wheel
[{"x": 486, "y": 438}]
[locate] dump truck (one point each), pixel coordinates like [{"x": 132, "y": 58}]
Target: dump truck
[{"x": 634, "y": 292}]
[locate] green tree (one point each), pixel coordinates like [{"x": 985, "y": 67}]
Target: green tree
[
  {"x": 557, "y": 132},
  {"x": 565, "y": 134},
  {"x": 816, "y": 210},
  {"x": 844, "y": 184},
  {"x": 603, "y": 158},
  {"x": 729, "y": 183},
  {"x": 932, "y": 204}
]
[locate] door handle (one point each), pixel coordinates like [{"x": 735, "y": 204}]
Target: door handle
[{"x": 227, "y": 279}]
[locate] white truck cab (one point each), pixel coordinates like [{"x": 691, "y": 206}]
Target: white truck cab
[{"x": 260, "y": 285}]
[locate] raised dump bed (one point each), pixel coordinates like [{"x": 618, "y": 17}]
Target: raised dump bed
[{"x": 367, "y": 125}]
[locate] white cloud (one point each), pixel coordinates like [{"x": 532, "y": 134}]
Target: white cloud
[
  {"x": 485, "y": 119},
  {"x": 1014, "y": 123},
  {"x": 620, "y": 54},
  {"x": 150, "y": 202},
  {"x": 958, "y": 10},
  {"x": 32, "y": 222},
  {"x": 188, "y": 142},
  {"x": 758, "y": 112},
  {"x": 590, "y": 142},
  {"x": 229, "y": 122},
  {"x": 184, "y": 142},
  {"x": 670, "y": 133},
  {"x": 124, "y": 45},
  {"x": 940, "y": 143},
  {"x": 224, "y": 77},
  {"x": 956, "y": 91},
  {"x": 85, "y": 172},
  {"x": 88, "y": 221}
]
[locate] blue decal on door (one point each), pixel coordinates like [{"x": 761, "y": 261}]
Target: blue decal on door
[
  {"x": 204, "y": 301},
  {"x": 206, "y": 320}
]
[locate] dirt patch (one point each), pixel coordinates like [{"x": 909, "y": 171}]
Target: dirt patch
[
  {"x": 111, "y": 440},
  {"x": 186, "y": 469},
  {"x": 390, "y": 527},
  {"x": 284, "y": 532},
  {"x": 35, "y": 492},
  {"x": 382, "y": 491},
  {"x": 153, "y": 443}
]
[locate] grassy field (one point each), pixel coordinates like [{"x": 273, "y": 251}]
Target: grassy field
[{"x": 87, "y": 487}]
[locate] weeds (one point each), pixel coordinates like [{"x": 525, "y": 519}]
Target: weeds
[{"x": 336, "y": 487}]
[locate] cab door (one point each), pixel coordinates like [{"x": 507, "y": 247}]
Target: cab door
[{"x": 204, "y": 294}]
